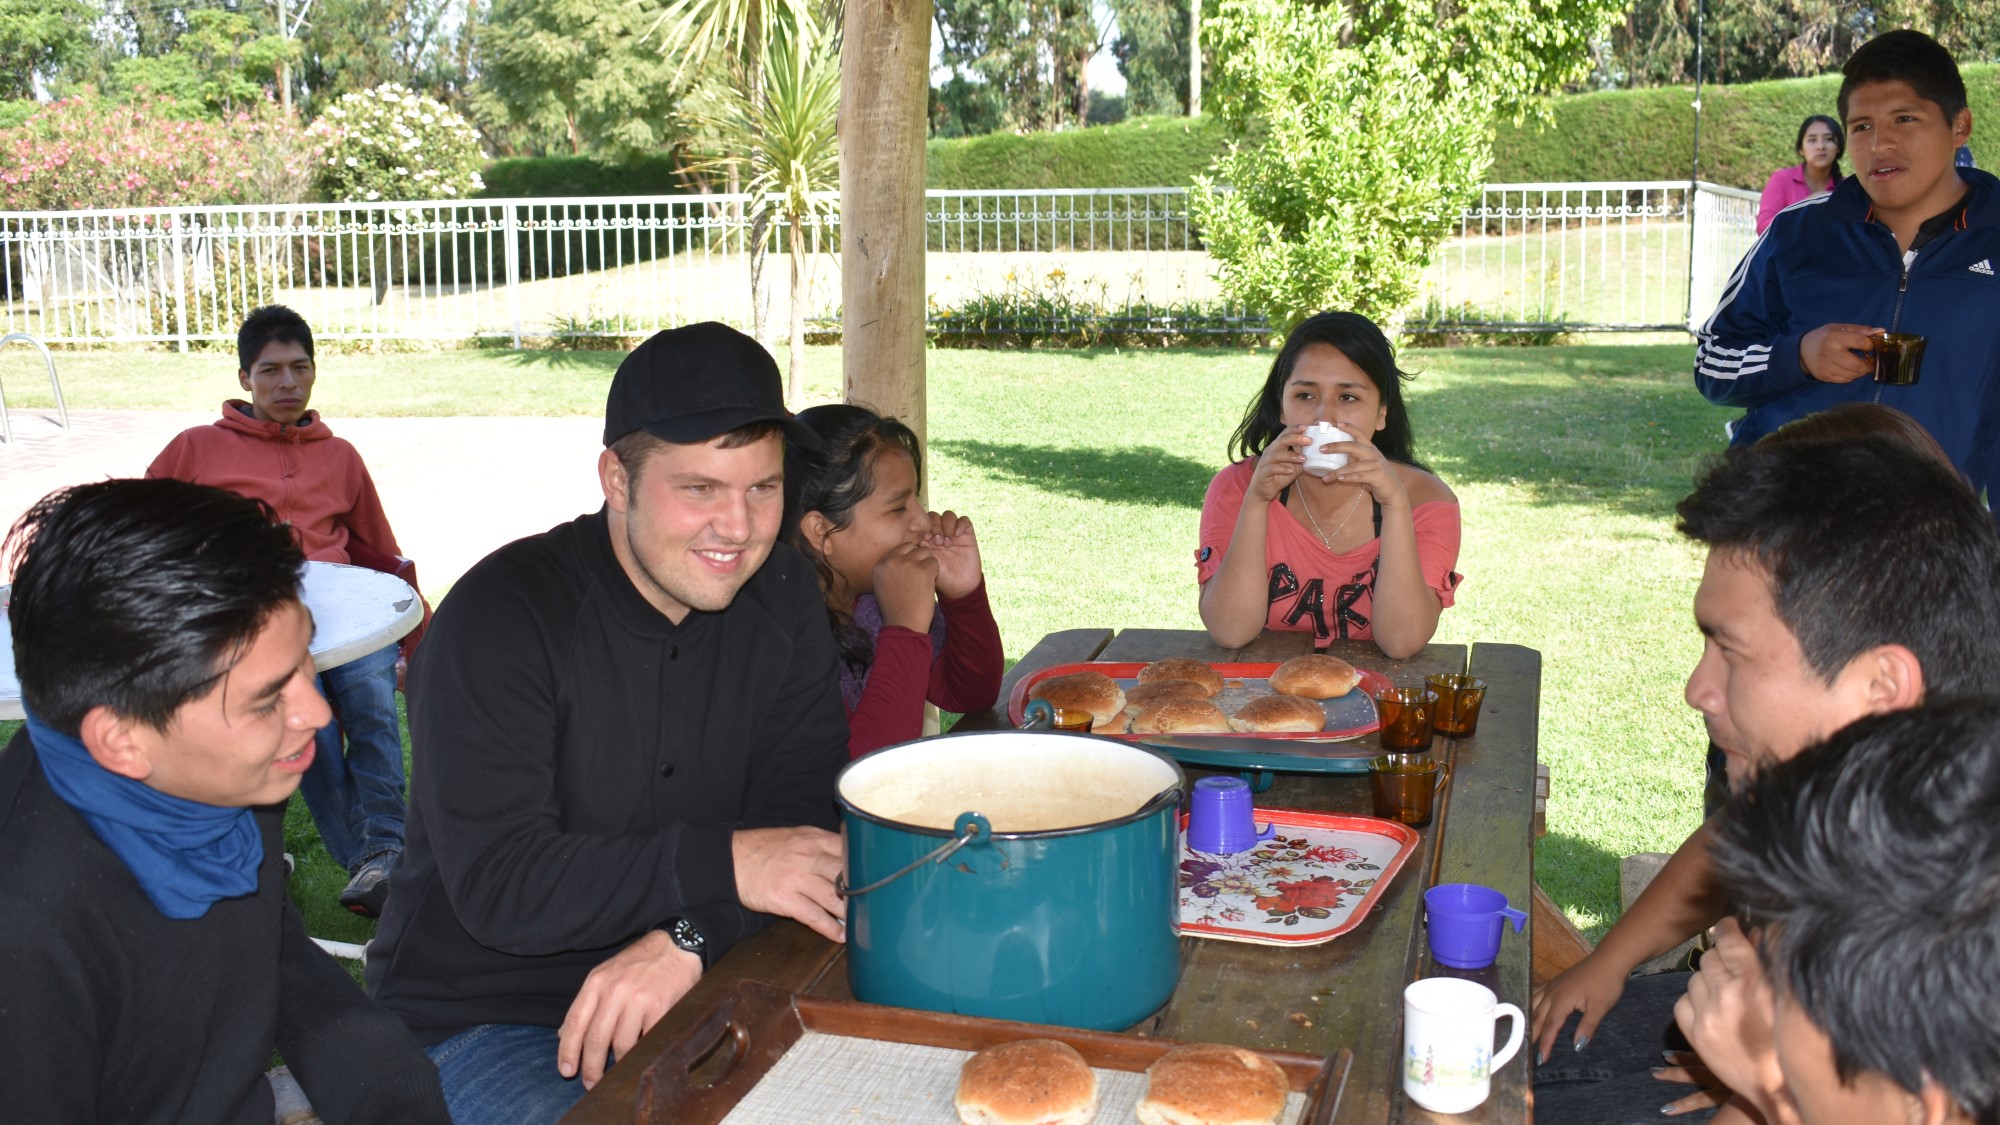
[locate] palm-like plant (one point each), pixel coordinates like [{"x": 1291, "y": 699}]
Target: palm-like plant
[{"x": 781, "y": 135}]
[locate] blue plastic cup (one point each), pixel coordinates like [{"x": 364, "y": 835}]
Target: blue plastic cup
[
  {"x": 1219, "y": 818},
  {"x": 1464, "y": 920}
]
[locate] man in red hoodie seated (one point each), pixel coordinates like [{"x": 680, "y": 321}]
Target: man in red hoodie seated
[{"x": 273, "y": 449}]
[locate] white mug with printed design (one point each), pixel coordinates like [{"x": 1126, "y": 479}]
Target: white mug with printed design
[{"x": 1448, "y": 1056}]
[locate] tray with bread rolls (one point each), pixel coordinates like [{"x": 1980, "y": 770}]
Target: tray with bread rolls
[
  {"x": 765, "y": 1056},
  {"x": 1288, "y": 716}
]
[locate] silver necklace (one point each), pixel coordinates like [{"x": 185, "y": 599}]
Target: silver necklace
[{"x": 1324, "y": 538}]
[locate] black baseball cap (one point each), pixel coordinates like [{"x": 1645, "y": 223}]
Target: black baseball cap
[{"x": 691, "y": 384}]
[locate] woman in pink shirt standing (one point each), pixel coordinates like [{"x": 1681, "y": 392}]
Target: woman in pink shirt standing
[
  {"x": 1820, "y": 147},
  {"x": 1366, "y": 551}
]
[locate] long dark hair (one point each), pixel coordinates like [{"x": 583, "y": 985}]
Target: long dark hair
[
  {"x": 832, "y": 481},
  {"x": 1839, "y": 140},
  {"x": 1360, "y": 341}
]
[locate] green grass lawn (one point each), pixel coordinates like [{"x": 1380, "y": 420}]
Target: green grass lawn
[{"x": 1085, "y": 470}]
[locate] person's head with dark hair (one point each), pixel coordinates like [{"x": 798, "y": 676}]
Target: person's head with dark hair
[
  {"x": 274, "y": 357},
  {"x": 692, "y": 472},
  {"x": 1859, "y": 419},
  {"x": 1844, "y": 578},
  {"x": 850, "y": 503},
  {"x": 1827, "y": 143},
  {"x": 1335, "y": 367},
  {"x": 1902, "y": 105},
  {"x": 159, "y": 623},
  {"x": 1872, "y": 864}
]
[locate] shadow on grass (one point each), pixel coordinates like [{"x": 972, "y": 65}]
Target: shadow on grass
[
  {"x": 1137, "y": 475},
  {"x": 1580, "y": 877},
  {"x": 567, "y": 359}
]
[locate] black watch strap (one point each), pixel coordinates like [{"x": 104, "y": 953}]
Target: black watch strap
[{"x": 686, "y": 935}]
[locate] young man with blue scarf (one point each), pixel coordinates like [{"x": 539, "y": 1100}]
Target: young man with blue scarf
[{"x": 150, "y": 957}]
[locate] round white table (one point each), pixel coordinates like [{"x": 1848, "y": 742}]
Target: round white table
[{"x": 355, "y": 611}]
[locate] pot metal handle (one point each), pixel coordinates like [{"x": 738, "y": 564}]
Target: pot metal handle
[{"x": 970, "y": 827}]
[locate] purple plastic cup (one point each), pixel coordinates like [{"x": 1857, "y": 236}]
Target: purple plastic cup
[
  {"x": 1465, "y": 921},
  {"x": 1219, "y": 820}
]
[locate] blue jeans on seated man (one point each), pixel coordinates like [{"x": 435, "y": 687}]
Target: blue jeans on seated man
[
  {"x": 1610, "y": 1081},
  {"x": 504, "y": 1074},
  {"x": 356, "y": 797}
]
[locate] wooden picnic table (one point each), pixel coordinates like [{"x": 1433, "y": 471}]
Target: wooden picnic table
[{"x": 1312, "y": 999}]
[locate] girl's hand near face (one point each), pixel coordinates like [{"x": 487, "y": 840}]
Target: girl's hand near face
[
  {"x": 906, "y": 586},
  {"x": 952, "y": 540},
  {"x": 1279, "y": 465},
  {"x": 1368, "y": 468}
]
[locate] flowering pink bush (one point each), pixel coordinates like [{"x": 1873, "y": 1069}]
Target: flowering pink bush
[{"x": 83, "y": 152}]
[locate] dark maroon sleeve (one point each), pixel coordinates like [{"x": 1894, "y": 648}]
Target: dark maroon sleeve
[
  {"x": 967, "y": 677},
  {"x": 892, "y": 703}
]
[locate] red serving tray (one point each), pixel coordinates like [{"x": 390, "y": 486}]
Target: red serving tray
[
  {"x": 1127, "y": 672},
  {"x": 1338, "y": 851}
]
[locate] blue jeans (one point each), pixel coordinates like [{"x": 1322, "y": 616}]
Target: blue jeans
[
  {"x": 1610, "y": 1081},
  {"x": 356, "y": 797},
  {"x": 503, "y": 1074}
]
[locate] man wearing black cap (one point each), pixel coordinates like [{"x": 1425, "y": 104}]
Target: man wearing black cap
[{"x": 629, "y": 728}]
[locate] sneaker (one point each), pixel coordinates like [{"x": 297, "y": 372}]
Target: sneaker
[{"x": 368, "y": 891}]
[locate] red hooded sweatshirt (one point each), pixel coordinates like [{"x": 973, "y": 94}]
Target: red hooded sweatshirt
[{"x": 313, "y": 480}]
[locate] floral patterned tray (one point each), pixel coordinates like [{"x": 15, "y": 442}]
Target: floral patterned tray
[{"x": 1315, "y": 879}]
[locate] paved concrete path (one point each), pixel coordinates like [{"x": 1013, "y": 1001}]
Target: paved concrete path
[{"x": 455, "y": 488}]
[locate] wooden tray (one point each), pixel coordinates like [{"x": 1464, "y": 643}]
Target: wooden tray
[
  {"x": 701, "y": 1078},
  {"x": 1347, "y": 716}
]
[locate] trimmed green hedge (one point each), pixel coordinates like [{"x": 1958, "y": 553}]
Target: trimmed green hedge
[
  {"x": 1142, "y": 152},
  {"x": 547, "y": 177},
  {"x": 1746, "y": 131}
]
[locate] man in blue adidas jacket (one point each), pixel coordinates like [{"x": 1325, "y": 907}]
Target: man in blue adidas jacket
[{"x": 1909, "y": 243}]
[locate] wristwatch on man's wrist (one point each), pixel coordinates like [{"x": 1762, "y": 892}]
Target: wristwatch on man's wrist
[{"x": 684, "y": 934}]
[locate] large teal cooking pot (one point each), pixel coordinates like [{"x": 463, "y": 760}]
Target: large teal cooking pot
[{"x": 1014, "y": 875}]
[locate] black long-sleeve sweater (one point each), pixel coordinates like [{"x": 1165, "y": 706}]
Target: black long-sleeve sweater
[
  {"x": 112, "y": 1013},
  {"x": 580, "y": 763}
]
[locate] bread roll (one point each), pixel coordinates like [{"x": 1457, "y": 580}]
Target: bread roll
[
  {"x": 1315, "y": 677},
  {"x": 1155, "y": 692},
  {"x": 1094, "y": 692},
  {"x": 1181, "y": 716},
  {"x": 1116, "y": 724},
  {"x": 1183, "y": 668},
  {"x": 1026, "y": 1082},
  {"x": 1288, "y": 714},
  {"x": 1213, "y": 1085}
]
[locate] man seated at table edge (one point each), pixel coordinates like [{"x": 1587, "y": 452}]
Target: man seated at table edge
[
  {"x": 1879, "y": 1006},
  {"x": 630, "y": 726},
  {"x": 274, "y": 448},
  {"x": 152, "y": 958},
  {"x": 1844, "y": 579}
]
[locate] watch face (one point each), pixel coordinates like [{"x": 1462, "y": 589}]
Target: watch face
[{"x": 685, "y": 935}]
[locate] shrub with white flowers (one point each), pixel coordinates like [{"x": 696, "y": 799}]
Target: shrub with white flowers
[{"x": 393, "y": 143}]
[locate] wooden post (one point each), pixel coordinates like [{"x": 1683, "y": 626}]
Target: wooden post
[
  {"x": 884, "y": 100},
  {"x": 1194, "y": 58}
]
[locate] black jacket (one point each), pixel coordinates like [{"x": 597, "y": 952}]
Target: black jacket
[
  {"x": 579, "y": 765},
  {"x": 111, "y": 1012}
]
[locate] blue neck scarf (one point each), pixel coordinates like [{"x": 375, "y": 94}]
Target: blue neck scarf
[{"x": 185, "y": 854}]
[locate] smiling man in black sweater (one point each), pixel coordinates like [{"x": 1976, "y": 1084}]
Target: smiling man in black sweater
[
  {"x": 150, "y": 960},
  {"x": 629, "y": 728}
]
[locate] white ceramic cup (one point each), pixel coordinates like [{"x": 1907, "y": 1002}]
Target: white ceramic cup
[
  {"x": 1448, "y": 1057},
  {"x": 1318, "y": 434}
]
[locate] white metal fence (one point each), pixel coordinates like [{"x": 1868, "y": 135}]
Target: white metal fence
[{"x": 1610, "y": 257}]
